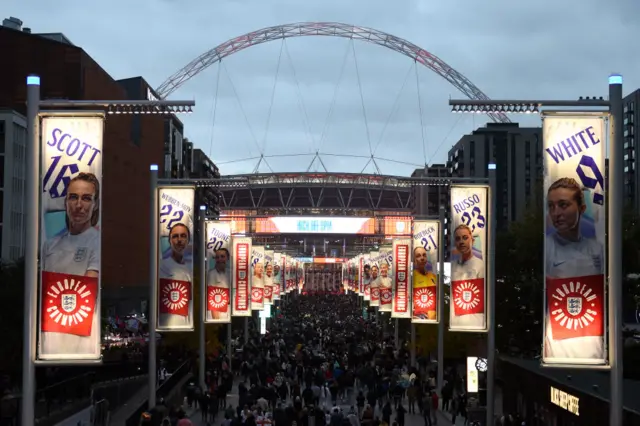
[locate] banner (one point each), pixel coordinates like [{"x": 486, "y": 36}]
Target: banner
[
  {"x": 268, "y": 277},
  {"x": 70, "y": 232},
  {"x": 386, "y": 278},
  {"x": 424, "y": 280},
  {"x": 218, "y": 244},
  {"x": 175, "y": 258},
  {"x": 401, "y": 258},
  {"x": 241, "y": 275},
  {"x": 374, "y": 286},
  {"x": 468, "y": 257},
  {"x": 277, "y": 276},
  {"x": 257, "y": 278},
  {"x": 575, "y": 240}
]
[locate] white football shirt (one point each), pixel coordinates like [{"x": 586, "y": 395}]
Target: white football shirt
[
  {"x": 470, "y": 270},
  {"x": 568, "y": 259},
  {"x": 219, "y": 279},
  {"x": 72, "y": 254},
  {"x": 171, "y": 269}
]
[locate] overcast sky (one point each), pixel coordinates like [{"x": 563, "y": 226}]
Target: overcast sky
[{"x": 508, "y": 49}]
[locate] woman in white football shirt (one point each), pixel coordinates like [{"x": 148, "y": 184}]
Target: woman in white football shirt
[
  {"x": 466, "y": 267},
  {"x": 76, "y": 252},
  {"x": 258, "y": 282},
  {"x": 568, "y": 254},
  {"x": 219, "y": 277},
  {"x": 177, "y": 267}
]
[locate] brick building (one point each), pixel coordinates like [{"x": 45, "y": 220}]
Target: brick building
[{"x": 68, "y": 72}]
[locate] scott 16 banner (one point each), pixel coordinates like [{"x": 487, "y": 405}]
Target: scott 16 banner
[
  {"x": 218, "y": 245},
  {"x": 425, "y": 282},
  {"x": 468, "y": 257},
  {"x": 71, "y": 173},
  {"x": 175, "y": 258},
  {"x": 268, "y": 277},
  {"x": 257, "y": 278},
  {"x": 401, "y": 281},
  {"x": 574, "y": 164},
  {"x": 241, "y": 276}
]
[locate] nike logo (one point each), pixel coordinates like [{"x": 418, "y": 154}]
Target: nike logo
[{"x": 558, "y": 263}]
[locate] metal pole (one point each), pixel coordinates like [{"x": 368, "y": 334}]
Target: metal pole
[
  {"x": 203, "y": 296},
  {"x": 31, "y": 280},
  {"x": 413, "y": 345},
  {"x": 616, "y": 204},
  {"x": 246, "y": 330},
  {"x": 397, "y": 334},
  {"x": 153, "y": 283},
  {"x": 229, "y": 349},
  {"x": 491, "y": 296},
  {"x": 441, "y": 291}
]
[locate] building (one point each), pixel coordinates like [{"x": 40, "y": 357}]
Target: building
[
  {"x": 177, "y": 153},
  {"x": 517, "y": 153},
  {"x": 427, "y": 199},
  {"x": 68, "y": 72},
  {"x": 631, "y": 122},
  {"x": 203, "y": 168},
  {"x": 13, "y": 137}
]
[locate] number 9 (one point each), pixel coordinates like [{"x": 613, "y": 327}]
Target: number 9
[{"x": 589, "y": 182}]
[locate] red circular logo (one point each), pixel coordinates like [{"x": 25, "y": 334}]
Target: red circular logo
[
  {"x": 218, "y": 298},
  {"x": 424, "y": 298},
  {"x": 256, "y": 295},
  {"x": 375, "y": 293},
  {"x": 575, "y": 307},
  {"x": 467, "y": 296},
  {"x": 175, "y": 296},
  {"x": 385, "y": 296}
]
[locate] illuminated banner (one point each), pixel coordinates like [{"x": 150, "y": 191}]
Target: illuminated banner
[
  {"x": 268, "y": 277},
  {"x": 257, "y": 278},
  {"x": 401, "y": 258},
  {"x": 316, "y": 225},
  {"x": 70, "y": 254},
  {"x": 575, "y": 308},
  {"x": 277, "y": 276},
  {"x": 468, "y": 257},
  {"x": 366, "y": 277},
  {"x": 241, "y": 275},
  {"x": 385, "y": 281},
  {"x": 424, "y": 300},
  {"x": 328, "y": 260},
  {"x": 218, "y": 246},
  {"x": 374, "y": 292},
  {"x": 175, "y": 258}
]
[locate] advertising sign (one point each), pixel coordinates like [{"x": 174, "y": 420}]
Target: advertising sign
[
  {"x": 268, "y": 277},
  {"x": 277, "y": 276},
  {"x": 424, "y": 280},
  {"x": 468, "y": 257},
  {"x": 575, "y": 240},
  {"x": 241, "y": 275},
  {"x": 401, "y": 298},
  {"x": 386, "y": 278},
  {"x": 175, "y": 258},
  {"x": 218, "y": 245},
  {"x": 70, "y": 254},
  {"x": 316, "y": 225},
  {"x": 257, "y": 278},
  {"x": 374, "y": 292}
]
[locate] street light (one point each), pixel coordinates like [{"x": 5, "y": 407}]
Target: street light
[{"x": 614, "y": 228}]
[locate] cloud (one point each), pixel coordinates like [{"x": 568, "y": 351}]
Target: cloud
[{"x": 543, "y": 49}]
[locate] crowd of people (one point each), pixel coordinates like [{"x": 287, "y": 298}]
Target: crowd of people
[{"x": 322, "y": 364}]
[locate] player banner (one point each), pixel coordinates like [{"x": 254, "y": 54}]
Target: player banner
[
  {"x": 468, "y": 258},
  {"x": 401, "y": 284},
  {"x": 575, "y": 240},
  {"x": 70, "y": 252},
  {"x": 175, "y": 258},
  {"x": 241, "y": 276},
  {"x": 277, "y": 276},
  {"x": 217, "y": 248},
  {"x": 424, "y": 280},
  {"x": 374, "y": 292},
  {"x": 257, "y": 278},
  {"x": 385, "y": 283},
  {"x": 268, "y": 277}
]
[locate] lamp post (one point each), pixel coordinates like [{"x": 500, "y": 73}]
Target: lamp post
[
  {"x": 202, "y": 256},
  {"x": 614, "y": 228},
  {"x": 32, "y": 224}
]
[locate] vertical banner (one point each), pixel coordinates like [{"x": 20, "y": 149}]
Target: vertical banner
[
  {"x": 386, "y": 279},
  {"x": 468, "y": 258},
  {"x": 401, "y": 258},
  {"x": 268, "y": 277},
  {"x": 257, "y": 278},
  {"x": 241, "y": 275},
  {"x": 366, "y": 277},
  {"x": 218, "y": 244},
  {"x": 424, "y": 280},
  {"x": 374, "y": 292},
  {"x": 574, "y": 266},
  {"x": 70, "y": 252},
  {"x": 175, "y": 258},
  {"x": 277, "y": 276}
]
